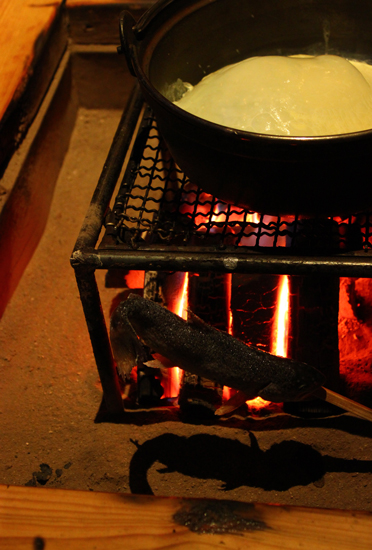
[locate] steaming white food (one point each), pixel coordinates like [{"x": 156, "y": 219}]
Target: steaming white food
[{"x": 286, "y": 96}]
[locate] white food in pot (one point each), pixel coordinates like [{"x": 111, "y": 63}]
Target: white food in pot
[{"x": 286, "y": 96}]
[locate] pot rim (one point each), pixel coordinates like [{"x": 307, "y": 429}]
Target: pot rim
[
  {"x": 242, "y": 135},
  {"x": 138, "y": 34}
]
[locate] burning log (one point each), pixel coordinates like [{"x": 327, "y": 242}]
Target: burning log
[
  {"x": 207, "y": 296},
  {"x": 345, "y": 403},
  {"x": 314, "y": 324},
  {"x": 199, "y": 398},
  {"x": 203, "y": 350},
  {"x": 149, "y": 389},
  {"x": 252, "y": 302},
  {"x": 314, "y": 334},
  {"x": 329, "y": 396}
]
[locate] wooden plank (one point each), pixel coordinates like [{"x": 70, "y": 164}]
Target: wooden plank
[
  {"x": 32, "y": 41},
  {"x": 24, "y": 27},
  {"x": 33, "y": 518},
  {"x": 357, "y": 409}
]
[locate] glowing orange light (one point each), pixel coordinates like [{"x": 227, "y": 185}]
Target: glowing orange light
[
  {"x": 279, "y": 340},
  {"x": 181, "y": 310},
  {"x": 279, "y": 343},
  {"x": 226, "y": 391},
  {"x": 228, "y": 303},
  {"x": 182, "y": 304},
  {"x": 209, "y": 212},
  {"x": 257, "y": 403}
]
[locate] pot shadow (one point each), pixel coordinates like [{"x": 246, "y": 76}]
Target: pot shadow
[{"x": 235, "y": 464}]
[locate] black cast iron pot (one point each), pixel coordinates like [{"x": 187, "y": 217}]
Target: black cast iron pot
[{"x": 186, "y": 39}]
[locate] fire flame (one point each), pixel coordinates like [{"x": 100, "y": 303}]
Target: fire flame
[
  {"x": 181, "y": 311},
  {"x": 182, "y": 304},
  {"x": 216, "y": 213},
  {"x": 279, "y": 343},
  {"x": 226, "y": 392},
  {"x": 212, "y": 216}
]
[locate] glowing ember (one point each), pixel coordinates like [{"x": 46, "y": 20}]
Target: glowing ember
[
  {"x": 181, "y": 310},
  {"x": 228, "y": 299},
  {"x": 227, "y": 392},
  {"x": 182, "y": 304},
  {"x": 257, "y": 403},
  {"x": 279, "y": 341},
  {"x": 279, "y": 344},
  {"x": 212, "y": 215}
]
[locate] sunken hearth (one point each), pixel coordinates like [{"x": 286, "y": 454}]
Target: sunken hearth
[
  {"x": 227, "y": 260},
  {"x": 230, "y": 264},
  {"x": 55, "y": 432}
]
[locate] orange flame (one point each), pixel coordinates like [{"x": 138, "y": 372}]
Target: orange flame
[
  {"x": 226, "y": 391},
  {"x": 181, "y": 311},
  {"x": 209, "y": 212},
  {"x": 182, "y": 304},
  {"x": 279, "y": 343}
]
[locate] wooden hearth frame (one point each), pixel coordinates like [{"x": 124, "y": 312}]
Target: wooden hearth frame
[{"x": 35, "y": 38}]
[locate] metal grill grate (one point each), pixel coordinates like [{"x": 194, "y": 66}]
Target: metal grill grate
[
  {"x": 157, "y": 205},
  {"x": 159, "y": 221}
]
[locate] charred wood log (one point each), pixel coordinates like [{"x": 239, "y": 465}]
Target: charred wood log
[
  {"x": 208, "y": 298},
  {"x": 199, "y": 397},
  {"x": 314, "y": 334},
  {"x": 205, "y": 351},
  {"x": 149, "y": 389},
  {"x": 253, "y": 299}
]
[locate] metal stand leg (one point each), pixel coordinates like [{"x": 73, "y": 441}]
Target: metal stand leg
[{"x": 92, "y": 307}]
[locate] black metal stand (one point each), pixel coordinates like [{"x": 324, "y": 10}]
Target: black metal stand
[
  {"x": 157, "y": 252},
  {"x": 85, "y": 268}
]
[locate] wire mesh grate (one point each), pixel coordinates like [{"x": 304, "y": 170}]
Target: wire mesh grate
[{"x": 158, "y": 205}]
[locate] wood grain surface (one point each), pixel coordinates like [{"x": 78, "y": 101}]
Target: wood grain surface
[
  {"x": 23, "y": 26},
  {"x": 32, "y": 41},
  {"x": 38, "y": 518}
]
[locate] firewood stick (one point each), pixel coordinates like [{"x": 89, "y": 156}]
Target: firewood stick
[
  {"x": 232, "y": 404},
  {"x": 323, "y": 393},
  {"x": 344, "y": 403}
]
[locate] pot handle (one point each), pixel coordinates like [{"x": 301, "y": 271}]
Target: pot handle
[
  {"x": 128, "y": 41},
  {"x": 132, "y": 31},
  {"x": 151, "y": 14}
]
